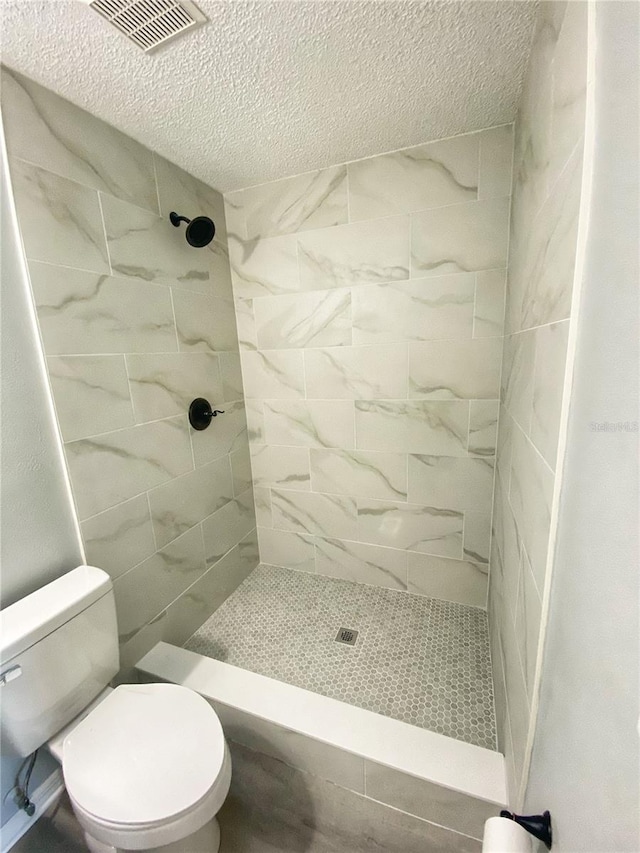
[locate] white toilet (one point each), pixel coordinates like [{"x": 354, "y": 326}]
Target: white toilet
[{"x": 146, "y": 766}]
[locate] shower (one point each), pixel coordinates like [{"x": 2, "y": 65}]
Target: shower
[{"x": 200, "y": 231}]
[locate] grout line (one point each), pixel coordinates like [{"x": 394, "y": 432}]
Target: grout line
[
  {"x": 153, "y": 527},
  {"x": 124, "y": 429},
  {"x": 104, "y": 233},
  {"x": 156, "y": 182}
]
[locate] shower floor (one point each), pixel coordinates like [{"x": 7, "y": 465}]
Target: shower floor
[{"x": 417, "y": 659}]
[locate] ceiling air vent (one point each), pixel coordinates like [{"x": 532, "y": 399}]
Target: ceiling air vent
[{"x": 150, "y": 23}]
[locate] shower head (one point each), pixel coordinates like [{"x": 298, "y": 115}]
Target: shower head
[{"x": 200, "y": 230}]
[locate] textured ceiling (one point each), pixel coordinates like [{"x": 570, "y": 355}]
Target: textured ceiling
[{"x": 268, "y": 89}]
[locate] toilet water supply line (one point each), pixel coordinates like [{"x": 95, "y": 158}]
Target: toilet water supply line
[{"x": 22, "y": 791}]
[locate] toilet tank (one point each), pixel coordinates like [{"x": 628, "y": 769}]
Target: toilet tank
[{"x": 58, "y": 650}]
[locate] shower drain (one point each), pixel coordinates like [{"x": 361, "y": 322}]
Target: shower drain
[{"x": 347, "y": 636}]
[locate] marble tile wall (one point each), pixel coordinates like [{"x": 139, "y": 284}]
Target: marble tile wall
[
  {"x": 370, "y": 307},
  {"x": 549, "y": 135},
  {"x": 135, "y": 323}
]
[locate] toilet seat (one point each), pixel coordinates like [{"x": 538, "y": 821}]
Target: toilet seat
[{"x": 147, "y": 766}]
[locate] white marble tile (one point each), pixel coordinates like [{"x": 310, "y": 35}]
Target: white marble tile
[
  {"x": 533, "y": 128},
  {"x": 290, "y": 550},
  {"x": 231, "y": 375},
  {"x": 321, "y": 319},
  {"x": 548, "y": 386},
  {"x": 144, "y": 591},
  {"x": 496, "y": 162},
  {"x": 483, "y": 427},
  {"x": 60, "y": 220},
  {"x": 55, "y": 134},
  {"x": 569, "y": 88},
  {"x": 246, "y": 325},
  {"x": 241, "y": 469},
  {"x": 352, "y": 373},
  {"x": 455, "y": 370},
  {"x": 504, "y": 446},
  {"x": 183, "y": 502},
  {"x": 476, "y": 541},
  {"x": 226, "y": 434},
  {"x": 506, "y": 537},
  {"x": 107, "y": 469},
  {"x": 360, "y": 253},
  {"x": 439, "y": 427},
  {"x": 431, "y": 175},
  {"x": 449, "y": 481},
  {"x": 518, "y": 704},
  {"x": 488, "y": 319},
  {"x": 198, "y": 602},
  {"x": 264, "y": 267},
  {"x": 359, "y": 473},
  {"x": 273, "y": 374},
  {"x": 527, "y": 627},
  {"x": 186, "y": 195},
  {"x": 262, "y": 503},
  {"x": 286, "y": 467},
  {"x": 418, "y": 310},
  {"x": 312, "y": 200},
  {"x": 370, "y": 564},
  {"x": 234, "y": 214},
  {"x": 517, "y": 377},
  {"x": 164, "y": 384},
  {"x": 549, "y": 259},
  {"x": 144, "y": 245},
  {"x": 85, "y": 312},
  {"x": 91, "y": 394},
  {"x": 226, "y": 527},
  {"x": 427, "y": 800},
  {"x": 219, "y": 270},
  {"x": 305, "y": 512},
  {"x": 460, "y": 238},
  {"x": 416, "y": 528},
  {"x": 119, "y": 538},
  {"x": 204, "y": 323},
  {"x": 451, "y": 580},
  {"x": 254, "y": 411},
  {"x": 530, "y": 494},
  {"x": 310, "y": 423},
  {"x": 312, "y": 756},
  {"x": 298, "y": 811}
]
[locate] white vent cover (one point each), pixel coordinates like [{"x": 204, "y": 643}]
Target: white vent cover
[{"x": 150, "y": 23}]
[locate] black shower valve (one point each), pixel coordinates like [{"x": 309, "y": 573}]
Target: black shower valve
[{"x": 201, "y": 413}]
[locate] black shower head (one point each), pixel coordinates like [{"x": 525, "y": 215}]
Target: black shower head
[{"x": 200, "y": 230}]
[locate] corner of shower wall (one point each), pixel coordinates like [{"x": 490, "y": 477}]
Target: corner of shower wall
[
  {"x": 134, "y": 324},
  {"x": 370, "y": 304},
  {"x": 536, "y": 368}
]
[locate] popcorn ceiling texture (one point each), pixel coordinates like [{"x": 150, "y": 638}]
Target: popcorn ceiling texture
[{"x": 269, "y": 89}]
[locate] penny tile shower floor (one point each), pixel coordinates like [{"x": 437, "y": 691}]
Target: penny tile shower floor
[{"x": 418, "y": 659}]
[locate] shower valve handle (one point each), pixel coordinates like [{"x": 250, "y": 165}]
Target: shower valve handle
[{"x": 201, "y": 412}]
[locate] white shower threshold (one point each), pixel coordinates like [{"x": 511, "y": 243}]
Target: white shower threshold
[{"x": 437, "y": 778}]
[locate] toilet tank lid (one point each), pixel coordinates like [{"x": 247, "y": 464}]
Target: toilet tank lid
[{"x": 39, "y": 614}]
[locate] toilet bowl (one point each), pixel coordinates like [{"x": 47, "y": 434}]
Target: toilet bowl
[{"x": 148, "y": 767}]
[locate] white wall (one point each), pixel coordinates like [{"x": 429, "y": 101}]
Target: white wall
[{"x": 585, "y": 757}]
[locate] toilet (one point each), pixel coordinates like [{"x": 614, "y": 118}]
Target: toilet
[{"x": 146, "y": 766}]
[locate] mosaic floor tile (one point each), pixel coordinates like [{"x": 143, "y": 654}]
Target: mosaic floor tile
[{"x": 417, "y": 659}]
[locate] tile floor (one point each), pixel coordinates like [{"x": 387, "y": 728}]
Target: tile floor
[{"x": 417, "y": 659}]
